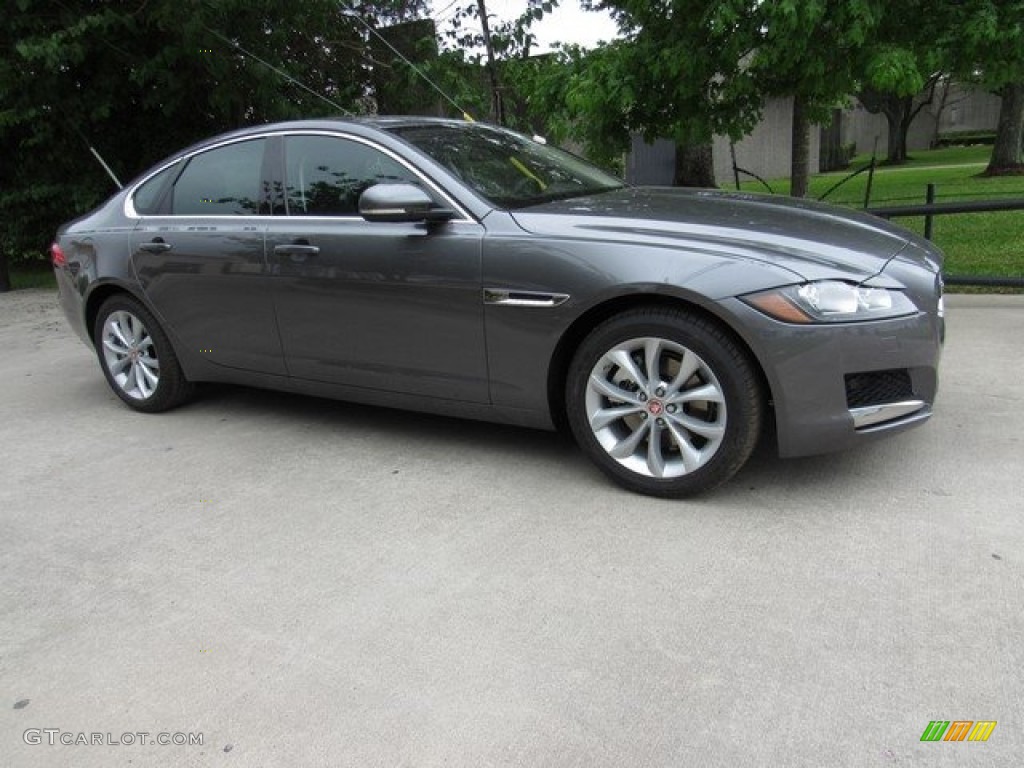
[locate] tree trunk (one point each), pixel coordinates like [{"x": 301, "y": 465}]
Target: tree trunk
[
  {"x": 899, "y": 114},
  {"x": 5, "y": 274},
  {"x": 945, "y": 83},
  {"x": 1007, "y": 154},
  {"x": 497, "y": 109},
  {"x": 799, "y": 175},
  {"x": 831, "y": 153},
  {"x": 694, "y": 166}
]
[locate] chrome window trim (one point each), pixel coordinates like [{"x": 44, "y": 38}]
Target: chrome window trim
[{"x": 129, "y": 200}]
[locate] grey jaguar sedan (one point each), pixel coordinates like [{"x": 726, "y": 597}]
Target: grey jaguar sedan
[{"x": 463, "y": 269}]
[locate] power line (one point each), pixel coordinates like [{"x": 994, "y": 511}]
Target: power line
[
  {"x": 440, "y": 15},
  {"x": 282, "y": 73}
]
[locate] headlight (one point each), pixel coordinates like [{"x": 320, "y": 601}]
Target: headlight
[{"x": 830, "y": 301}]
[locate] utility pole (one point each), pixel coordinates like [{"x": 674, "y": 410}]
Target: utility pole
[{"x": 497, "y": 108}]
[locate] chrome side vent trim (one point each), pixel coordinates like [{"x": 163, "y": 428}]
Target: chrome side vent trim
[{"x": 523, "y": 298}]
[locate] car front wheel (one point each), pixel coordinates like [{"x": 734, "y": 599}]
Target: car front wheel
[
  {"x": 664, "y": 401},
  {"x": 137, "y": 358}
]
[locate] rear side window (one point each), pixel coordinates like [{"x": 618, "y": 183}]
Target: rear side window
[
  {"x": 148, "y": 196},
  {"x": 226, "y": 181},
  {"x": 325, "y": 175}
]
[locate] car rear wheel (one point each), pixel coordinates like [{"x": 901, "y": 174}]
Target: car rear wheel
[
  {"x": 664, "y": 401},
  {"x": 137, "y": 357}
]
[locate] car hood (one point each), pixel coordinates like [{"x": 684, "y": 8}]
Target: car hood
[{"x": 813, "y": 240}]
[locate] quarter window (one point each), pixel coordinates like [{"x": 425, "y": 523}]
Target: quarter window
[
  {"x": 325, "y": 175},
  {"x": 222, "y": 182},
  {"x": 148, "y": 195}
]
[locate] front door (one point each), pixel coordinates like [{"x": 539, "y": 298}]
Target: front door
[{"x": 394, "y": 307}]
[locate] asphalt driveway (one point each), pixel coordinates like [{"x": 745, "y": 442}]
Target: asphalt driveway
[{"x": 299, "y": 582}]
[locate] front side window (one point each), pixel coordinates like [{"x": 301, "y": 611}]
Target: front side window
[
  {"x": 325, "y": 175},
  {"x": 508, "y": 169},
  {"x": 225, "y": 181}
]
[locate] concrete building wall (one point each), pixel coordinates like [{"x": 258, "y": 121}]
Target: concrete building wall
[
  {"x": 767, "y": 150},
  {"x": 967, "y": 109},
  {"x": 651, "y": 164},
  {"x": 864, "y": 128}
]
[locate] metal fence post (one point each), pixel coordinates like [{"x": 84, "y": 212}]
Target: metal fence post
[
  {"x": 929, "y": 198},
  {"x": 871, "y": 175},
  {"x": 735, "y": 168}
]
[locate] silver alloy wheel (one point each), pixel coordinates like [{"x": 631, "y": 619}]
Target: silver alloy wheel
[
  {"x": 656, "y": 407},
  {"x": 130, "y": 355}
]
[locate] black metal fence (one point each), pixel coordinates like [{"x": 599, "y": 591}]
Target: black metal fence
[{"x": 931, "y": 209}]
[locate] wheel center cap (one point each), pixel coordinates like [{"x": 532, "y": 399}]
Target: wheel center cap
[{"x": 654, "y": 407}]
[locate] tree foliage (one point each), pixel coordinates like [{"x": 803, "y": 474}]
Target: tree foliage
[
  {"x": 139, "y": 80},
  {"x": 810, "y": 51},
  {"x": 678, "y": 71},
  {"x": 691, "y": 69},
  {"x": 493, "y": 74},
  {"x": 986, "y": 43}
]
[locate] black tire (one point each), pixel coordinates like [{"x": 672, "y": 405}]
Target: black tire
[
  {"x": 132, "y": 348},
  {"x": 705, "y": 423}
]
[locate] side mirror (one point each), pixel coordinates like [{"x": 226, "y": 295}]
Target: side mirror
[{"x": 400, "y": 203}]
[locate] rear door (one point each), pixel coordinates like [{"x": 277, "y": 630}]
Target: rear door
[
  {"x": 387, "y": 306},
  {"x": 198, "y": 250}
]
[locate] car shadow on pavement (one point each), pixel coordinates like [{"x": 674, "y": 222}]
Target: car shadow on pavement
[
  {"x": 334, "y": 415},
  {"x": 765, "y": 472}
]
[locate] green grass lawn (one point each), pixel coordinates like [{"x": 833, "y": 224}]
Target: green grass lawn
[
  {"x": 946, "y": 156},
  {"x": 974, "y": 243}
]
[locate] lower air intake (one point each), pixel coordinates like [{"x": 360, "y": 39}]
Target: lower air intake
[{"x": 878, "y": 387}]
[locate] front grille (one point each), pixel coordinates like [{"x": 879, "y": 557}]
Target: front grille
[{"x": 878, "y": 387}]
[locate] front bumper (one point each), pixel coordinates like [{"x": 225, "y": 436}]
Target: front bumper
[{"x": 810, "y": 369}]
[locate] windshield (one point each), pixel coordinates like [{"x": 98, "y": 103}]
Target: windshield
[{"x": 510, "y": 170}]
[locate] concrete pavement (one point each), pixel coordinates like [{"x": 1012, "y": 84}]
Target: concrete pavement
[{"x": 311, "y": 583}]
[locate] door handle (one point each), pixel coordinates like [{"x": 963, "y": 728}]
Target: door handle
[
  {"x": 297, "y": 251},
  {"x": 156, "y": 245}
]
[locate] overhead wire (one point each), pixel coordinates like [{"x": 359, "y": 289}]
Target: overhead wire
[
  {"x": 443, "y": 13},
  {"x": 279, "y": 71}
]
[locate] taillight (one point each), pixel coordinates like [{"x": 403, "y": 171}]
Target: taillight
[{"x": 57, "y": 256}]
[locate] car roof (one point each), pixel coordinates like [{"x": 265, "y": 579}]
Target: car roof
[
  {"x": 378, "y": 122},
  {"x": 381, "y": 122}
]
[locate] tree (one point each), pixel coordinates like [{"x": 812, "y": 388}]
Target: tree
[
  {"x": 678, "y": 72},
  {"x": 904, "y": 64},
  {"x": 900, "y": 105},
  {"x": 500, "y": 50},
  {"x": 792, "y": 59},
  {"x": 989, "y": 48},
  {"x": 692, "y": 69}
]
